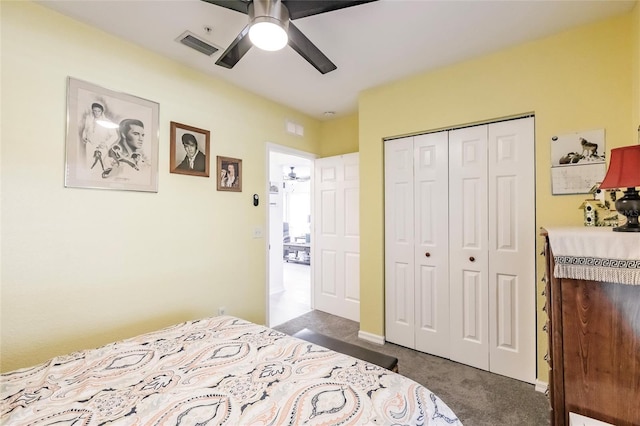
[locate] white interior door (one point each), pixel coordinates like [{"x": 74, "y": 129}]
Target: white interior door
[
  {"x": 399, "y": 242},
  {"x": 512, "y": 249},
  {"x": 431, "y": 243},
  {"x": 468, "y": 256},
  {"x": 337, "y": 236}
]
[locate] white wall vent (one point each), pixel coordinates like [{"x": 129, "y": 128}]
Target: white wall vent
[
  {"x": 294, "y": 128},
  {"x": 189, "y": 39}
]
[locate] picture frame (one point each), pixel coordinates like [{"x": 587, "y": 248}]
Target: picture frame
[
  {"x": 183, "y": 159},
  {"x": 577, "y": 161},
  {"x": 229, "y": 175},
  {"x": 111, "y": 139}
]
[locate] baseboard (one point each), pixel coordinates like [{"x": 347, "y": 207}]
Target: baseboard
[
  {"x": 370, "y": 337},
  {"x": 541, "y": 386}
]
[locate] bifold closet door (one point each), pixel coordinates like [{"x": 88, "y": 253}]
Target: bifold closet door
[
  {"x": 468, "y": 240},
  {"x": 512, "y": 272},
  {"x": 431, "y": 243},
  {"x": 399, "y": 245},
  {"x": 416, "y": 243},
  {"x": 492, "y": 247},
  {"x": 460, "y": 245}
]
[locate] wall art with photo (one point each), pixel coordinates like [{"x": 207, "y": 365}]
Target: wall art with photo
[
  {"x": 112, "y": 139},
  {"x": 189, "y": 150},
  {"x": 229, "y": 174},
  {"x": 577, "y": 161}
]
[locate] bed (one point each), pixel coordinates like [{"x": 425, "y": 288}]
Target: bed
[{"x": 215, "y": 371}]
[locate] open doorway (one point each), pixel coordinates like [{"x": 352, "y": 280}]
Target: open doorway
[{"x": 290, "y": 234}]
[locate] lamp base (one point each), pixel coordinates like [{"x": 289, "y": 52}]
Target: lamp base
[{"x": 629, "y": 206}]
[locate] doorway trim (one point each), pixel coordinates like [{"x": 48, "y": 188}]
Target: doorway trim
[{"x": 272, "y": 148}]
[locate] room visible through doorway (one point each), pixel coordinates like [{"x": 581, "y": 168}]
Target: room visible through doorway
[{"x": 290, "y": 235}]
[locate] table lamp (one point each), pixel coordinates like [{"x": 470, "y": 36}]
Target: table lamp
[{"x": 624, "y": 172}]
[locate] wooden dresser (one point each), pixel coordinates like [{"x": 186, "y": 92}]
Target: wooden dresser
[{"x": 594, "y": 332}]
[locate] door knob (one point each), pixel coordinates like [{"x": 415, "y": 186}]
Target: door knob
[
  {"x": 473, "y": 259},
  {"x": 427, "y": 254}
]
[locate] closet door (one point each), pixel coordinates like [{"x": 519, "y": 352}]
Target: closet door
[
  {"x": 399, "y": 242},
  {"x": 512, "y": 249},
  {"x": 468, "y": 257},
  {"x": 431, "y": 243}
]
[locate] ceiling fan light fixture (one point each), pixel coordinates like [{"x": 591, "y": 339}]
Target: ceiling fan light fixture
[
  {"x": 269, "y": 21},
  {"x": 268, "y": 36}
]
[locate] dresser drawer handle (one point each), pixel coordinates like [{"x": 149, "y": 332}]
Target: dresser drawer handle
[
  {"x": 473, "y": 259},
  {"x": 427, "y": 254}
]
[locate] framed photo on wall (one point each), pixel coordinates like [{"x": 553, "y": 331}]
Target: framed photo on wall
[
  {"x": 189, "y": 150},
  {"x": 229, "y": 174},
  {"x": 112, "y": 139},
  {"x": 577, "y": 161}
]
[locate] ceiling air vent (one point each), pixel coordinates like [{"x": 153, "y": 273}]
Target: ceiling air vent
[{"x": 189, "y": 39}]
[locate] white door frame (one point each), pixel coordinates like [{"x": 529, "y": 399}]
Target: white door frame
[{"x": 275, "y": 148}]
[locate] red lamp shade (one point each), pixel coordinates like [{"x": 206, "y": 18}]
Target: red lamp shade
[{"x": 624, "y": 168}]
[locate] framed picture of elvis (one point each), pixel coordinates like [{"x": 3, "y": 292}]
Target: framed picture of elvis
[
  {"x": 112, "y": 139},
  {"x": 189, "y": 150},
  {"x": 229, "y": 174}
]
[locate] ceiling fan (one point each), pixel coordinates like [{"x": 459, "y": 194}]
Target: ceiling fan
[
  {"x": 278, "y": 14},
  {"x": 292, "y": 175}
]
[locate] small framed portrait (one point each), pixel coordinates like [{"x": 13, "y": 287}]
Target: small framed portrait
[
  {"x": 112, "y": 139},
  {"x": 229, "y": 174},
  {"x": 189, "y": 150}
]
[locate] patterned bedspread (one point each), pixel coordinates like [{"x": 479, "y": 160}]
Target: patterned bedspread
[{"x": 215, "y": 371}]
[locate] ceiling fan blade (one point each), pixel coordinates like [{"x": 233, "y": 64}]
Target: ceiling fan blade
[
  {"x": 302, "y": 8},
  {"x": 236, "y": 50},
  {"x": 301, "y": 44},
  {"x": 241, "y": 6}
]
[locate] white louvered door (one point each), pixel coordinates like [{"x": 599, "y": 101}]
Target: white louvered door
[{"x": 460, "y": 245}]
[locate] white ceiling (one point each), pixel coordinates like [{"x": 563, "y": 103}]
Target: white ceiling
[{"x": 371, "y": 44}]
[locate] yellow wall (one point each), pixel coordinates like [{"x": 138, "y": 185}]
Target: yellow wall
[
  {"x": 82, "y": 267},
  {"x": 574, "y": 81},
  {"x": 339, "y": 136}
]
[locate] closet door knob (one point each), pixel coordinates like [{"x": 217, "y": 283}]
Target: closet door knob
[
  {"x": 427, "y": 254},
  {"x": 473, "y": 259}
]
